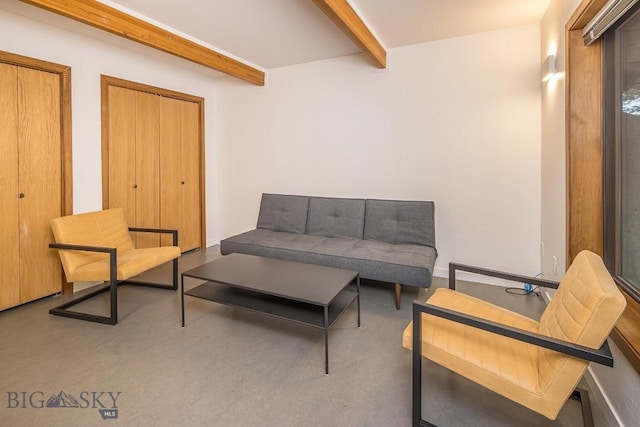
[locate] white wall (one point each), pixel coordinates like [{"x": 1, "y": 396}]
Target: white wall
[
  {"x": 455, "y": 121},
  {"x": 553, "y": 184},
  {"x": 89, "y": 57},
  {"x": 617, "y": 390}
]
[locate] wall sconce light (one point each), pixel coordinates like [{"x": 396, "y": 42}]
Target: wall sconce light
[{"x": 548, "y": 68}]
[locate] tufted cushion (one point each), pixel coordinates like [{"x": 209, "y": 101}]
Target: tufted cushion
[
  {"x": 583, "y": 310},
  {"x": 280, "y": 212},
  {"x": 333, "y": 217},
  {"x": 394, "y": 221}
]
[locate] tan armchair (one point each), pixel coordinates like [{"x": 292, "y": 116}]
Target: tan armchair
[
  {"x": 537, "y": 364},
  {"x": 97, "y": 246}
]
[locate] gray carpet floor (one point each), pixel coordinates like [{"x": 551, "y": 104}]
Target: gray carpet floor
[{"x": 229, "y": 367}]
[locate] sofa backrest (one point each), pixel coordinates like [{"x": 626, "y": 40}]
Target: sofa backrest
[
  {"x": 390, "y": 221},
  {"x": 282, "y": 212},
  {"x": 399, "y": 221},
  {"x": 336, "y": 217}
]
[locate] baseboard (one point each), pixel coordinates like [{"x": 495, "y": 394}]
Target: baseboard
[
  {"x": 546, "y": 296},
  {"x": 600, "y": 399},
  {"x": 81, "y": 286},
  {"x": 475, "y": 278}
]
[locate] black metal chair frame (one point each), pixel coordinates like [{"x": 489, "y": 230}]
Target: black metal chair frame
[
  {"x": 112, "y": 284},
  {"x": 602, "y": 355}
]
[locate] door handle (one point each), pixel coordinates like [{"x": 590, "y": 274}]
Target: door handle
[{"x": 21, "y": 195}]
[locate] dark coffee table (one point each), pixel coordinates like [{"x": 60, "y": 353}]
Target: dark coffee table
[{"x": 305, "y": 293}]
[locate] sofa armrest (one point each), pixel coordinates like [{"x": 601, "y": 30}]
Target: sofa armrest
[{"x": 453, "y": 267}]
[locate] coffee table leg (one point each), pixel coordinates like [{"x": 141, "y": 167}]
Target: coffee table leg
[
  {"x": 326, "y": 339},
  {"x": 182, "y": 296}
]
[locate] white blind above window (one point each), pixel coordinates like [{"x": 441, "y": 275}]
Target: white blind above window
[{"x": 608, "y": 15}]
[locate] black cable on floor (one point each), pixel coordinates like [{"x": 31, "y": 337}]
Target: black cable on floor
[{"x": 528, "y": 288}]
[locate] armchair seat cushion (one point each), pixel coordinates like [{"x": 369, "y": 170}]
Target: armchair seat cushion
[
  {"x": 130, "y": 263},
  {"x": 504, "y": 365}
]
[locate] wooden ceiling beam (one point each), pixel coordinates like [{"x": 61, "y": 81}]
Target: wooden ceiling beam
[
  {"x": 345, "y": 18},
  {"x": 106, "y": 18}
]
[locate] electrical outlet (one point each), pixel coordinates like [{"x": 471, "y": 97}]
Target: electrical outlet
[{"x": 555, "y": 266}]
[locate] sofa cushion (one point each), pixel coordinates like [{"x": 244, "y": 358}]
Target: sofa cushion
[
  {"x": 280, "y": 212},
  {"x": 333, "y": 217},
  {"x": 395, "y": 221},
  {"x": 407, "y": 264}
]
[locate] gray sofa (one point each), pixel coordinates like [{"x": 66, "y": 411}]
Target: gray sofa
[{"x": 385, "y": 240}]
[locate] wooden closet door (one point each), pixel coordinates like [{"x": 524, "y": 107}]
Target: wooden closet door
[
  {"x": 9, "y": 225},
  {"x": 190, "y": 216},
  {"x": 122, "y": 151},
  {"x": 170, "y": 176},
  {"x": 147, "y": 165},
  {"x": 40, "y": 175},
  {"x": 180, "y": 171},
  {"x": 165, "y": 156}
]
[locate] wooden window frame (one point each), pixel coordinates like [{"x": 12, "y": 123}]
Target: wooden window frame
[{"x": 584, "y": 151}]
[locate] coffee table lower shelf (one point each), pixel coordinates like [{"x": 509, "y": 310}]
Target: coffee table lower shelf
[
  {"x": 305, "y": 313},
  {"x": 317, "y": 316}
]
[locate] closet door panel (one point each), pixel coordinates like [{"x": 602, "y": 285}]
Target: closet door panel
[
  {"x": 122, "y": 143},
  {"x": 147, "y": 168},
  {"x": 40, "y": 175},
  {"x": 190, "y": 167},
  {"x": 9, "y": 225},
  {"x": 170, "y": 177},
  {"x": 165, "y": 158}
]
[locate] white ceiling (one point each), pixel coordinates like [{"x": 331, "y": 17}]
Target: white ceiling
[{"x": 276, "y": 33}]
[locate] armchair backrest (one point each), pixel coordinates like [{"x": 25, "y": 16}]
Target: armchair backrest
[
  {"x": 107, "y": 228},
  {"x": 583, "y": 310}
]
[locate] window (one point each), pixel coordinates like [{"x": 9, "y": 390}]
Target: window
[{"x": 622, "y": 151}]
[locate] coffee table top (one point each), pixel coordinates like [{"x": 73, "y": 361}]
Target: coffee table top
[{"x": 315, "y": 284}]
